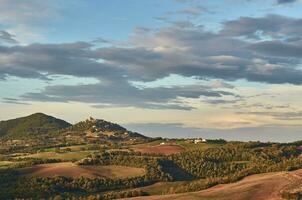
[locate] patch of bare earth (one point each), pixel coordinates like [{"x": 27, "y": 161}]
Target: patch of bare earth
[
  {"x": 161, "y": 149},
  {"x": 256, "y": 187},
  {"x": 69, "y": 169}
]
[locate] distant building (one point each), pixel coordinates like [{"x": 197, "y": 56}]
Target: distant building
[
  {"x": 196, "y": 141},
  {"x": 199, "y": 140},
  {"x": 91, "y": 119}
]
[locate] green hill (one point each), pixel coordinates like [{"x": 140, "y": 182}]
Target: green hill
[
  {"x": 102, "y": 127},
  {"x": 32, "y": 125}
]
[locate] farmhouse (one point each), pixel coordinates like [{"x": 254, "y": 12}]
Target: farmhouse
[
  {"x": 199, "y": 140},
  {"x": 196, "y": 141}
]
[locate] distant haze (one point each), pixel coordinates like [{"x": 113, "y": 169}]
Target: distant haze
[{"x": 263, "y": 134}]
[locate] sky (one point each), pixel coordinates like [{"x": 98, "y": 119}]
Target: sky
[{"x": 226, "y": 69}]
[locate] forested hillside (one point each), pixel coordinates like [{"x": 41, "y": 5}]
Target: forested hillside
[{"x": 35, "y": 124}]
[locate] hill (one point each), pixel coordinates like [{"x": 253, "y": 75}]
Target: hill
[
  {"x": 61, "y": 131},
  {"x": 102, "y": 128},
  {"x": 97, "y": 124},
  {"x": 35, "y": 124}
]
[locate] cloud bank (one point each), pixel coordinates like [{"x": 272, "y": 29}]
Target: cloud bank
[{"x": 264, "y": 49}]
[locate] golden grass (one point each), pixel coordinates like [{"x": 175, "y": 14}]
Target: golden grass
[
  {"x": 64, "y": 156},
  {"x": 69, "y": 169},
  {"x": 161, "y": 149},
  {"x": 267, "y": 186}
]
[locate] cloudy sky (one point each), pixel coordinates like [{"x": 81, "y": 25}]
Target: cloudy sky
[{"x": 174, "y": 68}]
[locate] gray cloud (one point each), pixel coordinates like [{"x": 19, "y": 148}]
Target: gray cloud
[
  {"x": 7, "y": 37},
  {"x": 274, "y": 26},
  {"x": 195, "y": 52},
  {"x": 42, "y": 60},
  {"x": 121, "y": 94},
  {"x": 182, "y": 49},
  {"x": 277, "y": 48},
  {"x": 78, "y": 59},
  {"x": 156, "y": 55},
  {"x": 13, "y": 101},
  {"x": 286, "y": 1},
  {"x": 221, "y": 101}
]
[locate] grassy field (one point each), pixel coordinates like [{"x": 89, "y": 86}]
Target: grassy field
[
  {"x": 64, "y": 156},
  {"x": 191, "y": 146},
  {"x": 161, "y": 187},
  {"x": 267, "y": 186},
  {"x": 72, "y": 148},
  {"x": 161, "y": 149},
  {"x": 171, "y": 146},
  {"x": 6, "y": 164},
  {"x": 72, "y": 170},
  {"x": 148, "y": 144},
  {"x": 114, "y": 171}
]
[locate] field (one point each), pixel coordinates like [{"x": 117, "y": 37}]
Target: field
[
  {"x": 5, "y": 164},
  {"x": 72, "y": 170},
  {"x": 64, "y": 156},
  {"x": 161, "y": 149},
  {"x": 162, "y": 187},
  {"x": 256, "y": 187},
  {"x": 191, "y": 146},
  {"x": 171, "y": 146}
]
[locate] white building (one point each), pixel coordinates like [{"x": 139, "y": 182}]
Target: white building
[
  {"x": 199, "y": 140},
  {"x": 196, "y": 141}
]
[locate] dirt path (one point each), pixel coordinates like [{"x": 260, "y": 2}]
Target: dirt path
[{"x": 256, "y": 187}]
